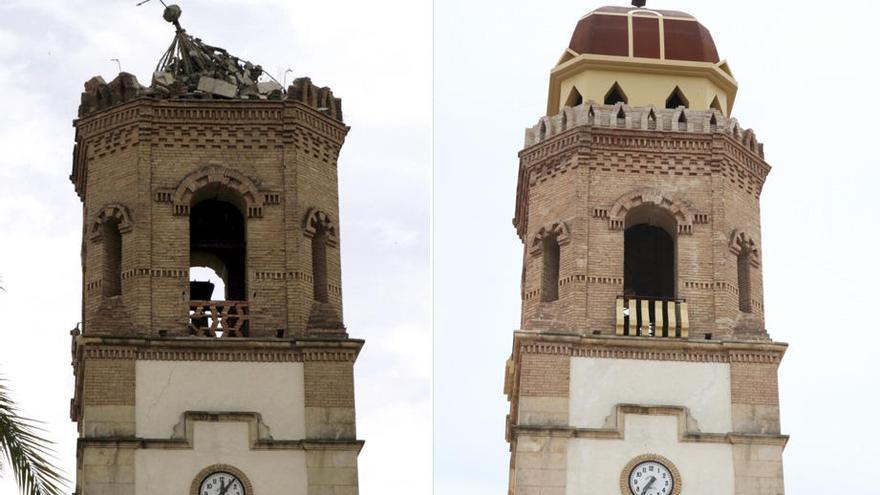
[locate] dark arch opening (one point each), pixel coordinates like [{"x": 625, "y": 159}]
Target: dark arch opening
[
  {"x": 550, "y": 270},
  {"x": 112, "y": 276},
  {"x": 574, "y": 98},
  {"x": 615, "y": 95},
  {"x": 217, "y": 240},
  {"x": 676, "y": 99},
  {"x": 319, "y": 265},
  {"x": 744, "y": 282},
  {"x": 649, "y": 254}
]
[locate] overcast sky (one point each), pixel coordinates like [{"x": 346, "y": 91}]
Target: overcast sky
[
  {"x": 375, "y": 55},
  {"x": 808, "y": 84}
]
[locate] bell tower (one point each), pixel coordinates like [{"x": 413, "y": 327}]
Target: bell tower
[
  {"x": 243, "y": 386},
  {"x": 642, "y": 366}
]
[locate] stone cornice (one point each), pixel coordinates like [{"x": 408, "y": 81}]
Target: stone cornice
[
  {"x": 687, "y": 429},
  {"x": 651, "y": 349},
  {"x": 205, "y": 349}
]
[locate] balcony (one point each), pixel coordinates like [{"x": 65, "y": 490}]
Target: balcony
[
  {"x": 652, "y": 317},
  {"x": 218, "y": 319}
]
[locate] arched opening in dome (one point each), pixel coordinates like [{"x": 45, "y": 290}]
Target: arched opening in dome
[
  {"x": 574, "y": 98},
  {"x": 615, "y": 95},
  {"x": 550, "y": 269},
  {"x": 676, "y": 99},
  {"x": 649, "y": 253},
  {"x": 217, "y": 241},
  {"x": 716, "y": 105}
]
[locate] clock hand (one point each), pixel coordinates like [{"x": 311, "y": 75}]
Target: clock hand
[{"x": 647, "y": 487}]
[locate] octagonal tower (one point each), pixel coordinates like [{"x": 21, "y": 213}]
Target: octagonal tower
[
  {"x": 643, "y": 340},
  {"x": 245, "y": 384}
]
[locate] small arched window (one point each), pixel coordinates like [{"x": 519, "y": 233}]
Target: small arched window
[
  {"x": 550, "y": 269},
  {"x": 319, "y": 265},
  {"x": 744, "y": 280},
  {"x": 112, "y": 240}
]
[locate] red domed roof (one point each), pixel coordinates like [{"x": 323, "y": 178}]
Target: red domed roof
[{"x": 605, "y": 31}]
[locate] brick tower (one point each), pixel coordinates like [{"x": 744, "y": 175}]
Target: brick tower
[
  {"x": 182, "y": 387},
  {"x": 642, "y": 366}
]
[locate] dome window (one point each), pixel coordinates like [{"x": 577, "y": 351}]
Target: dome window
[
  {"x": 574, "y": 98},
  {"x": 676, "y": 99},
  {"x": 615, "y": 95},
  {"x": 716, "y": 105}
]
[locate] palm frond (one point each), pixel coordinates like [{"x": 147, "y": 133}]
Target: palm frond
[{"x": 27, "y": 454}]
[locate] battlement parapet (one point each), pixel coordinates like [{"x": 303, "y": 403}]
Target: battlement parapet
[{"x": 650, "y": 118}]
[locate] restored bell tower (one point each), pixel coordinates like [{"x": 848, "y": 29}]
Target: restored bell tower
[
  {"x": 642, "y": 366},
  {"x": 239, "y": 387}
]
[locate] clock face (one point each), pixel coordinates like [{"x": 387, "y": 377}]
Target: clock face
[
  {"x": 221, "y": 483},
  {"x": 651, "y": 478}
]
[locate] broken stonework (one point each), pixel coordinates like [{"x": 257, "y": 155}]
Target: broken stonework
[
  {"x": 193, "y": 69},
  {"x": 217, "y": 87}
]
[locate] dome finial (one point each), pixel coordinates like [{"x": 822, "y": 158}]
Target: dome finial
[{"x": 639, "y": 3}]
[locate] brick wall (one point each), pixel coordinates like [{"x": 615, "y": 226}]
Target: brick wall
[
  {"x": 707, "y": 177},
  {"x": 143, "y": 153}
]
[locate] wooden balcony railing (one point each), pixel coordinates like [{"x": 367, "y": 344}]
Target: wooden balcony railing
[
  {"x": 218, "y": 318},
  {"x": 652, "y": 317}
]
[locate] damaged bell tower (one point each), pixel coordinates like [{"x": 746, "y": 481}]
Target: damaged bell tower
[{"x": 181, "y": 386}]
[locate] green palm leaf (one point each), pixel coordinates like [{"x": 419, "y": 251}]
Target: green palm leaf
[{"x": 25, "y": 452}]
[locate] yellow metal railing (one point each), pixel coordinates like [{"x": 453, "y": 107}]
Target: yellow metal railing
[{"x": 652, "y": 317}]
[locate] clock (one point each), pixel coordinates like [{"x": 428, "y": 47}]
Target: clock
[
  {"x": 221, "y": 479},
  {"x": 221, "y": 483},
  {"x": 650, "y": 474}
]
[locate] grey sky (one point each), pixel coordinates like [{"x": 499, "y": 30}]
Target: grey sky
[
  {"x": 49, "y": 48},
  {"x": 808, "y": 85}
]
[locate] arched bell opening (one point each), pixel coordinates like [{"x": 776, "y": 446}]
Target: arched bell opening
[
  {"x": 218, "y": 249},
  {"x": 217, "y": 240},
  {"x": 650, "y": 254}
]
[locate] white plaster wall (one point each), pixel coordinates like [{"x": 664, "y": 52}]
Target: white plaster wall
[
  {"x": 167, "y": 389},
  {"x": 594, "y": 465},
  {"x": 597, "y": 386},
  {"x": 172, "y": 471}
]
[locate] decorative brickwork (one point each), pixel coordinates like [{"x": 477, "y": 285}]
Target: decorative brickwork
[
  {"x": 119, "y": 213},
  {"x": 154, "y": 168}
]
